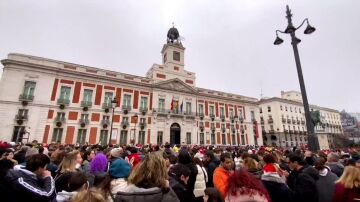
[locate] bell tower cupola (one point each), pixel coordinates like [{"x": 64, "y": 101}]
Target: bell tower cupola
[{"x": 173, "y": 51}]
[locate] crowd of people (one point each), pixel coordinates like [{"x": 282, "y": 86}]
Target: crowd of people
[{"x": 170, "y": 173}]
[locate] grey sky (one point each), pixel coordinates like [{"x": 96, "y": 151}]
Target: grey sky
[{"x": 228, "y": 43}]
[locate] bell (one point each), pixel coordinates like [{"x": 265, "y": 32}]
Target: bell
[
  {"x": 289, "y": 29},
  {"x": 309, "y": 29},
  {"x": 278, "y": 41}
]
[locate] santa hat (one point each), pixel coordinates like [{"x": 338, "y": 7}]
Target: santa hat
[{"x": 269, "y": 169}]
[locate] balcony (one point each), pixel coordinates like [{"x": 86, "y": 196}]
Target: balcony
[
  {"x": 83, "y": 122},
  {"x": 298, "y": 122},
  {"x": 283, "y": 120},
  {"x": 291, "y": 131},
  {"x": 189, "y": 115},
  {"x": 295, "y": 132},
  {"x": 63, "y": 101},
  {"x": 288, "y": 120},
  {"x": 106, "y": 105},
  {"x": 59, "y": 120},
  {"x": 201, "y": 125},
  {"x": 126, "y": 108},
  {"x": 86, "y": 103},
  {"x": 232, "y": 117},
  {"x": 254, "y": 121},
  {"x": 105, "y": 123},
  {"x": 143, "y": 110},
  {"x": 271, "y": 131},
  {"x": 271, "y": 120},
  {"x": 286, "y": 131},
  {"x": 26, "y": 97},
  {"x": 302, "y": 122},
  {"x": 223, "y": 129},
  {"x": 222, "y": 117},
  {"x": 124, "y": 123},
  {"x": 241, "y": 119},
  {"x": 213, "y": 128},
  {"x": 262, "y": 121},
  {"x": 293, "y": 121},
  {"x": 21, "y": 117},
  {"x": 142, "y": 125}
]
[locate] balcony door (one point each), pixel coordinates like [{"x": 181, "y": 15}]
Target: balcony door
[{"x": 175, "y": 132}]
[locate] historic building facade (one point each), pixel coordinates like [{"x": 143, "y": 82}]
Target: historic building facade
[
  {"x": 55, "y": 101},
  {"x": 283, "y": 121}
]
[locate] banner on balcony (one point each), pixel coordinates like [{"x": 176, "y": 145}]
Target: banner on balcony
[{"x": 114, "y": 134}]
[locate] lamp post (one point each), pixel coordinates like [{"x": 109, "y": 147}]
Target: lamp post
[
  {"x": 312, "y": 139},
  {"x": 113, "y": 106},
  {"x": 135, "y": 120}
]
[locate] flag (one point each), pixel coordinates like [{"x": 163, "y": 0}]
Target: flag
[
  {"x": 181, "y": 106},
  {"x": 172, "y": 103}
]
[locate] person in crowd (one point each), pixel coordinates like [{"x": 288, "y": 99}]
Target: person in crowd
[
  {"x": 116, "y": 153},
  {"x": 237, "y": 160},
  {"x": 334, "y": 164},
  {"x": 119, "y": 171},
  {"x": 29, "y": 152},
  {"x": 5, "y": 166},
  {"x": 9, "y": 154},
  {"x": 178, "y": 179},
  {"x": 89, "y": 195},
  {"x": 244, "y": 187},
  {"x": 68, "y": 165},
  {"x": 32, "y": 182},
  {"x": 212, "y": 195},
  {"x": 134, "y": 157},
  {"x": 148, "y": 182},
  {"x": 347, "y": 187},
  {"x": 98, "y": 168},
  {"x": 302, "y": 180},
  {"x": 222, "y": 173},
  {"x": 326, "y": 179},
  {"x": 274, "y": 184},
  {"x": 211, "y": 166},
  {"x": 77, "y": 182},
  {"x": 172, "y": 160},
  {"x": 251, "y": 165},
  {"x": 88, "y": 155},
  {"x": 201, "y": 180},
  {"x": 185, "y": 159},
  {"x": 20, "y": 155}
]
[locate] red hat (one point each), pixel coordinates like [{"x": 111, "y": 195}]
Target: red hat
[{"x": 269, "y": 169}]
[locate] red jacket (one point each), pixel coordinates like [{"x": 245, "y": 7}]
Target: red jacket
[
  {"x": 343, "y": 194},
  {"x": 136, "y": 158}
]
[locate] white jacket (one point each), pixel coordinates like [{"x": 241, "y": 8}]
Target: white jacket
[{"x": 200, "y": 183}]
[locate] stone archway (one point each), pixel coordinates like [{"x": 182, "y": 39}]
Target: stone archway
[{"x": 175, "y": 132}]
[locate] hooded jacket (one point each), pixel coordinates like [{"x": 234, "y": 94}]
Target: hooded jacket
[
  {"x": 276, "y": 187},
  {"x": 182, "y": 192},
  {"x": 303, "y": 184},
  {"x": 26, "y": 185},
  {"x": 133, "y": 193}
]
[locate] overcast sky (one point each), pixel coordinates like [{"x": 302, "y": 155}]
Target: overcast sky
[{"x": 229, "y": 44}]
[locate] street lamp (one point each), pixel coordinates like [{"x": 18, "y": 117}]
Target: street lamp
[
  {"x": 135, "y": 120},
  {"x": 113, "y": 106},
  {"x": 290, "y": 29}
]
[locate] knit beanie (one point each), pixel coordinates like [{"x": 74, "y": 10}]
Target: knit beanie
[
  {"x": 119, "y": 169},
  {"x": 116, "y": 152}
]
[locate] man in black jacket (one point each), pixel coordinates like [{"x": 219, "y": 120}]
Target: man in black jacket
[
  {"x": 302, "y": 180},
  {"x": 209, "y": 159},
  {"x": 178, "y": 180},
  {"x": 32, "y": 182}
]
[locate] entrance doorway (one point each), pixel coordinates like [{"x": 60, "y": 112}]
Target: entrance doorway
[{"x": 175, "y": 134}]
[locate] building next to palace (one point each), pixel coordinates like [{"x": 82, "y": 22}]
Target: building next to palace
[{"x": 53, "y": 101}]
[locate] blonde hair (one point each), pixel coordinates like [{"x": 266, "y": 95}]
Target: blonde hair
[
  {"x": 350, "y": 177},
  {"x": 91, "y": 195},
  {"x": 68, "y": 164},
  {"x": 250, "y": 163},
  {"x": 151, "y": 170}
]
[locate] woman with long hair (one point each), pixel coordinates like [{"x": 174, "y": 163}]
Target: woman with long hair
[
  {"x": 347, "y": 188},
  {"x": 251, "y": 165},
  {"x": 148, "y": 182},
  {"x": 70, "y": 163},
  {"x": 242, "y": 186}
]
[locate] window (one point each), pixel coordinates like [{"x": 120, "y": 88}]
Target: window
[
  {"x": 285, "y": 108},
  {"x": 271, "y": 127},
  {"x": 18, "y": 133},
  {"x": 231, "y": 112},
  {"x": 143, "y": 102},
  {"x": 242, "y": 139},
  {"x": 29, "y": 89},
  {"x": 260, "y": 110},
  {"x": 222, "y": 112},
  {"x": 165, "y": 57},
  {"x": 161, "y": 105},
  {"x": 176, "y": 56},
  {"x": 142, "y": 120},
  {"x": 233, "y": 140},
  {"x": 123, "y": 137},
  {"x": 300, "y": 110},
  {"x": 87, "y": 95},
  {"x": 108, "y": 97},
  {"x": 81, "y": 138},
  {"x": 295, "y": 109},
  {"x": 212, "y": 138},
  {"x": 141, "y": 139},
  {"x": 281, "y": 107},
  {"x": 201, "y": 109},
  {"x": 252, "y": 115},
  {"x": 65, "y": 92},
  {"x": 127, "y": 101},
  {"x": 223, "y": 138},
  {"x": 211, "y": 111},
  {"x": 23, "y": 113},
  {"x": 84, "y": 117},
  {"x": 269, "y": 109},
  {"x": 60, "y": 116},
  {"x": 57, "y": 135},
  {"x": 103, "y": 137},
  {"x": 202, "y": 138},
  {"x": 159, "y": 139},
  {"x": 290, "y": 109},
  {"x": 188, "y": 138},
  {"x": 188, "y": 108}
]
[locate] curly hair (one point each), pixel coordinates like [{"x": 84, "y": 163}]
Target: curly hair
[
  {"x": 99, "y": 163},
  {"x": 243, "y": 182}
]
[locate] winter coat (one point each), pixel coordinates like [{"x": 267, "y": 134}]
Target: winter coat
[
  {"x": 343, "y": 194},
  {"x": 25, "y": 186},
  {"x": 326, "y": 185},
  {"x": 210, "y": 171},
  {"x": 303, "y": 184},
  {"x": 221, "y": 177},
  {"x": 276, "y": 187},
  {"x": 256, "y": 173},
  {"x": 133, "y": 193},
  {"x": 118, "y": 185},
  {"x": 65, "y": 196},
  {"x": 62, "y": 181},
  {"x": 255, "y": 196},
  {"x": 134, "y": 158},
  {"x": 181, "y": 190},
  {"x": 86, "y": 166},
  {"x": 200, "y": 183},
  {"x": 336, "y": 168}
]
